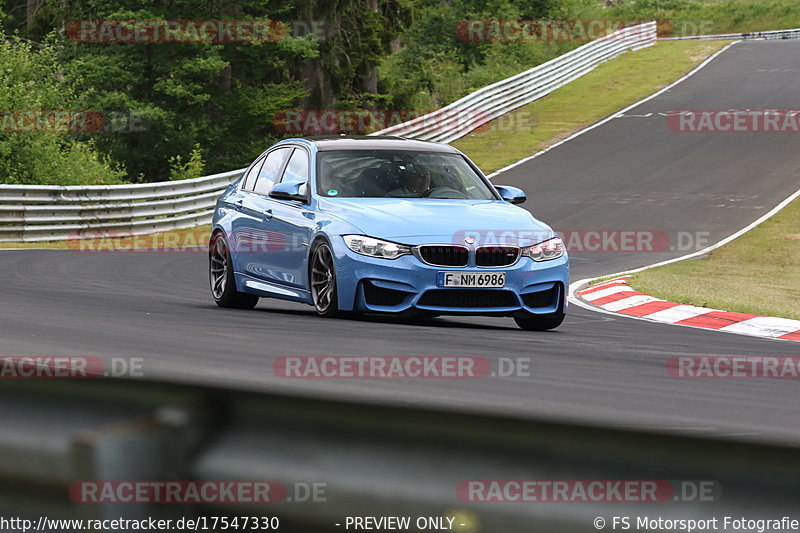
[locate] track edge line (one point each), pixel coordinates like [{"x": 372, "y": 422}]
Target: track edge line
[{"x": 614, "y": 114}]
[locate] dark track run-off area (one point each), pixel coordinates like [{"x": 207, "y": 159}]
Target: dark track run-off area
[{"x": 631, "y": 173}]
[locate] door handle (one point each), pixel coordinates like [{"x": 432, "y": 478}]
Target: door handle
[
  {"x": 267, "y": 214},
  {"x": 238, "y": 204}
]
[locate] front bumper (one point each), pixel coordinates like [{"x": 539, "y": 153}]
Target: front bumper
[{"x": 367, "y": 284}]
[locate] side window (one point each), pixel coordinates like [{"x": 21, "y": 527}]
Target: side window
[
  {"x": 268, "y": 173},
  {"x": 297, "y": 168},
  {"x": 250, "y": 179}
]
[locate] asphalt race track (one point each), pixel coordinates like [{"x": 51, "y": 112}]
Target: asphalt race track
[
  {"x": 635, "y": 173},
  {"x": 631, "y": 173}
]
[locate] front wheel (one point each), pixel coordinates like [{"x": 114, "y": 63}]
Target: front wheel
[
  {"x": 220, "y": 275},
  {"x": 539, "y": 323},
  {"x": 323, "y": 281}
]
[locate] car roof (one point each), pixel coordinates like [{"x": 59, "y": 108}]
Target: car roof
[{"x": 375, "y": 142}]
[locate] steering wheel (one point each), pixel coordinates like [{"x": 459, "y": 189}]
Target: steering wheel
[{"x": 440, "y": 191}]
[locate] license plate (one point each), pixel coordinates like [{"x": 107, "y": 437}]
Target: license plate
[{"x": 471, "y": 279}]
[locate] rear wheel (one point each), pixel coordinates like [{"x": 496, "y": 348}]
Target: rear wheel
[
  {"x": 323, "y": 281},
  {"x": 220, "y": 274},
  {"x": 539, "y": 323}
]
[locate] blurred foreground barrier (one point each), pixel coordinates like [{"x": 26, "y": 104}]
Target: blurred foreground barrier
[{"x": 336, "y": 459}]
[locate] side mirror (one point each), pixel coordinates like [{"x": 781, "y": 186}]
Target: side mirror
[
  {"x": 293, "y": 190},
  {"x": 511, "y": 194}
]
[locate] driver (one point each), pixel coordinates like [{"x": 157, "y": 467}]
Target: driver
[{"x": 417, "y": 183}]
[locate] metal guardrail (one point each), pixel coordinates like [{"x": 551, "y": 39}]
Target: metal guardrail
[
  {"x": 462, "y": 116},
  {"x": 770, "y": 35},
  {"x": 371, "y": 460},
  {"x": 30, "y": 213}
]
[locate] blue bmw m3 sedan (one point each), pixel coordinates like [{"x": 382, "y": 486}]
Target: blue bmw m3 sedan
[{"x": 384, "y": 225}]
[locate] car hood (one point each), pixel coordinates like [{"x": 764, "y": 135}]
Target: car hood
[{"x": 417, "y": 221}]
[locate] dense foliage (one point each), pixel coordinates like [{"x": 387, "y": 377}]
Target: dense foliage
[{"x": 32, "y": 79}]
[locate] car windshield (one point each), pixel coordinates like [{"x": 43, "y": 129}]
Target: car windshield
[{"x": 398, "y": 174}]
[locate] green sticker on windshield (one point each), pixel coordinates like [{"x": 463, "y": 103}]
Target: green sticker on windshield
[{"x": 333, "y": 192}]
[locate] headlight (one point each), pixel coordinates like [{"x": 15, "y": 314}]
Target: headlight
[
  {"x": 363, "y": 245},
  {"x": 544, "y": 251}
]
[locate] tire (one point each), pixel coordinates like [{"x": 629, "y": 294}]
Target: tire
[
  {"x": 322, "y": 280},
  {"x": 220, "y": 275},
  {"x": 539, "y": 323}
]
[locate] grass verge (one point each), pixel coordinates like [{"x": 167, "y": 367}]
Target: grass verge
[
  {"x": 757, "y": 273},
  {"x": 612, "y": 86},
  {"x": 693, "y": 17}
]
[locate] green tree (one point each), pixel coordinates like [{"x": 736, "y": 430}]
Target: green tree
[
  {"x": 436, "y": 63},
  {"x": 172, "y": 96},
  {"x": 355, "y": 35},
  {"x": 35, "y": 148}
]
